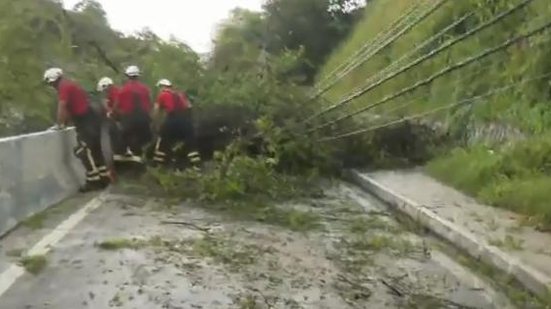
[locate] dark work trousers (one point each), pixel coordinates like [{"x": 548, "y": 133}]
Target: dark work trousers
[
  {"x": 135, "y": 134},
  {"x": 88, "y": 149},
  {"x": 176, "y": 129}
]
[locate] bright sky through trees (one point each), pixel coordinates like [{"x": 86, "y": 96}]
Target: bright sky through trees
[{"x": 191, "y": 21}]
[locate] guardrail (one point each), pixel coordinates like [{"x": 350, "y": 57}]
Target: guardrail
[{"x": 37, "y": 171}]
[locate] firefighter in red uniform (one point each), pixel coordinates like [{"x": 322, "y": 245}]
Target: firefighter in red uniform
[
  {"x": 176, "y": 127},
  {"x": 111, "y": 92},
  {"x": 133, "y": 108},
  {"x": 74, "y": 106}
]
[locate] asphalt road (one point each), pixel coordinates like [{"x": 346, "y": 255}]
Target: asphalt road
[{"x": 117, "y": 251}]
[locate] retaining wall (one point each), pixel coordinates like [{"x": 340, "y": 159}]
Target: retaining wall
[{"x": 36, "y": 171}]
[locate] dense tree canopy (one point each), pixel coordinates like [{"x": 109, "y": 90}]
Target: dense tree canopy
[
  {"x": 311, "y": 26},
  {"x": 36, "y": 34},
  {"x": 318, "y": 26},
  {"x": 287, "y": 41}
]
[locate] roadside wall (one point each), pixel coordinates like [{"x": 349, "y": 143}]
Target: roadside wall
[{"x": 36, "y": 171}]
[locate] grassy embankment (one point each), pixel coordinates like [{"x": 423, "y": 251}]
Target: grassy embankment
[{"x": 505, "y": 172}]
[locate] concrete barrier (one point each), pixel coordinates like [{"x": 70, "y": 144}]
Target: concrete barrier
[
  {"x": 534, "y": 280},
  {"x": 36, "y": 171}
]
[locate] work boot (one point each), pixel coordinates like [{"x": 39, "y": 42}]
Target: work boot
[
  {"x": 106, "y": 175},
  {"x": 105, "y": 181},
  {"x": 194, "y": 159},
  {"x": 90, "y": 186}
]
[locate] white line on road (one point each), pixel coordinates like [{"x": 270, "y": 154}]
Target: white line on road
[{"x": 10, "y": 276}]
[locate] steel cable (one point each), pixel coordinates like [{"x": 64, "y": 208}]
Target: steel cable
[
  {"x": 387, "y": 113},
  {"x": 439, "y": 74},
  {"x": 372, "y": 44},
  {"x": 381, "y": 35},
  {"x": 438, "y": 109},
  {"x": 391, "y": 40},
  {"x": 412, "y": 52},
  {"x": 422, "y": 59}
]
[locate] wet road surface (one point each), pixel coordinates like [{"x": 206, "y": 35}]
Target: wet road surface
[{"x": 135, "y": 252}]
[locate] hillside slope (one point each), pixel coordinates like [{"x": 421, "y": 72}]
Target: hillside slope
[
  {"x": 525, "y": 108},
  {"x": 501, "y": 150}
]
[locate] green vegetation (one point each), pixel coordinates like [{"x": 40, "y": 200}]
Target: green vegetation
[
  {"x": 497, "y": 148},
  {"x": 249, "y": 96},
  {"x": 113, "y": 244},
  {"x": 238, "y": 196},
  {"x": 516, "y": 176},
  {"x": 509, "y": 242},
  {"x": 251, "y": 184},
  {"x": 34, "y": 264},
  {"x": 302, "y": 220},
  {"x": 222, "y": 250},
  {"x": 313, "y": 27},
  {"x": 358, "y": 253},
  {"x": 81, "y": 42},
  {"x": 35, "y": 222},
  {"x": 116, "y": 300},
  {"x": 122, "y": 243},
  {"x": 363, "y": 225},
  {"x": 38, "y": 34},
  {"x": 226, "y": 252},
  {"x": 376, "y": 243},
  {"x": 38, "y": 220},
  {"x": 248, "y": 302},
  {"x": 250, "y": 101},
  {"x": 525, "y": 107}
]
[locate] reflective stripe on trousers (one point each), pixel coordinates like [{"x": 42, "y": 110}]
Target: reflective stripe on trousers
[
  {"x": 194, "y": 157},
  {"x": 159, "y": 156}
]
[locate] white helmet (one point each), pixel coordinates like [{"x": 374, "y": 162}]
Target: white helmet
[
  {"x": 104, "y": 83},
  {"x": 52, "y": 74},
  {"x": 132, "y": 71},
  {"x": 164, "y": 82}
]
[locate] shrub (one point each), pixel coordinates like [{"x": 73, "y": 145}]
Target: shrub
[
  {"x": 467, "y": 169},
  {"x": 516, "y": 177},
  {"x": 528, "y": 195}
]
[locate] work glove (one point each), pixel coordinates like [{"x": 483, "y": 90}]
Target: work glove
[{"x": 56, "y": 127}]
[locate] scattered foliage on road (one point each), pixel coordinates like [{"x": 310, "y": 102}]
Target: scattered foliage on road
[
  {"x": 121, "y": 243},
  {"x": 34, "y": 264}
]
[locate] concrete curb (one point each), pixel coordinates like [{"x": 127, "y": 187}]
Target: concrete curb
[{"x": 535, "y": 281}]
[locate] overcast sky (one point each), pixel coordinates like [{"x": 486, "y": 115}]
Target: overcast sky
[{"x": 191, "y": 21}]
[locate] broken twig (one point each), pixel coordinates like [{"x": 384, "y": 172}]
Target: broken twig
[
  {"x": 199, "y": 228},
  {"x": 394, "y": 289},
  {"x": 264, "y": 297}
]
